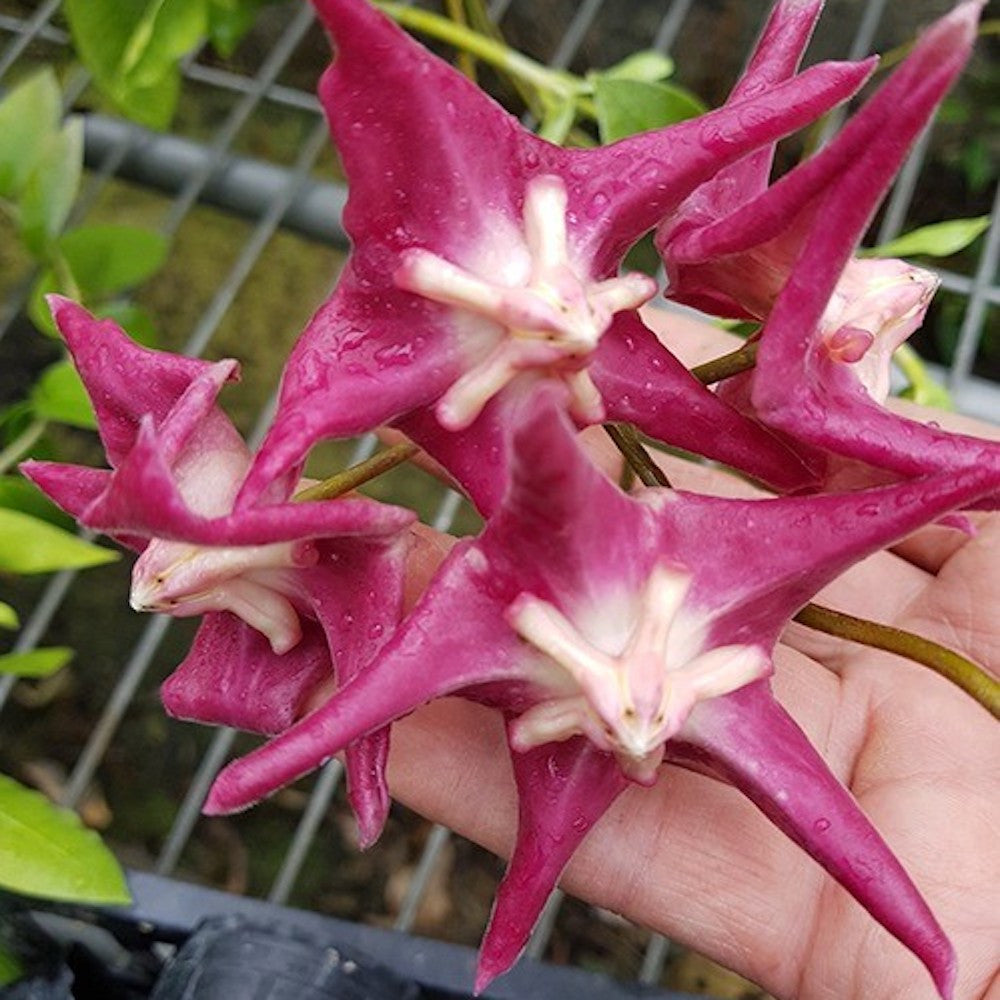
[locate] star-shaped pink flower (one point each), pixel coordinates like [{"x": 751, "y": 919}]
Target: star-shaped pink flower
[
  {"x": 832, "y": 320},
  {"x": 614, "y": 631},
  {"x": 484, "y": 256},
  {"x": 296, "y": 596}
]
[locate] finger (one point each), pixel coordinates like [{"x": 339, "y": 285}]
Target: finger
[
  {"x": 690, "y": 857},
  {"x": 958, "y": 608},
  {"x": 881, "y": 588},
  {"x": 931, "y": 547},
  {"x": 691, "y": 339}
]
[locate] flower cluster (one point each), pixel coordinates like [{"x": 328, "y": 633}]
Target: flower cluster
[{"x": 482, "y": 312}]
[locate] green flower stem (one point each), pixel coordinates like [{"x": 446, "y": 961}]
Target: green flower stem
[
  {"x": 970, "y": 677},
  {"x": 350, "y": 479},
  {"x": 456, "y": 12},
  {"x": 922, "y": 388},
  {"x": 555, "y": 85},
  {"x": 727, "y": 365},
  {"x": 64, "y": 275},
  {"x": 21, "y": 445},
  {"x": 638, "y": 459}
]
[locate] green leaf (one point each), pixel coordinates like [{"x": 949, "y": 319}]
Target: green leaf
[
  {"x": 132, "y": 47},
  {"x": 941, "y": 239},
  {"x": 46, "y": 851},
  {"x": 648, "y": 66},
  {"x": 625, "y": 107},
  {"x": 11, "y": 968},
  {"x": 108, "y": 259},
  {"x": 229, "y": 21},
  {"x": 18, "y": 493},
  {"x": 8, "y": 617},
  {"x": 28, "y": 545},
  {"x": 59, "y": 395},
  {"x": 29, "y": 114},
  {"x": 38, "y": 309},
  {"x": 557, "y": 121},
  {"x": 37, "y": 662},
  {"x": 50, "y": 189},
  {"x": 133, "y": 319}
]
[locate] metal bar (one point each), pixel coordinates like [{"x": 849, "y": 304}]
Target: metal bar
[
  {"x": 114, "y": 710},
  {"x": 542, "y": 933},
  {"x": 270, "y": 68},
  {"x": 31, "y": 30},
  {"x": 252, "y": 249},
  {"x": 975, "y": 313},
  {"x": 575, "y": 33},
  {"x": 670, "y": 26},
  {"x": 238, "y": 184},
  {"x": 655, "y": 958},
  {"x": 190, "y": 810}
]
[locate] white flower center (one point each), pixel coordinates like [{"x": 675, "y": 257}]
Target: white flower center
[
  {"x": 552, "y": 323},
  {"x": 876, "y": 305},
  {"x": 630, "y": 703},
  {"x": 253, "y": 582}
]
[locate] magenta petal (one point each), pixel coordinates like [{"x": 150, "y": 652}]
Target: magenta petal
[
  {"x": 752, "y": 742},
  {"x": 110, "y": 363},
  {"x": 769, "y": 557},
  {"x": 855, "y": 426},
  {"x": 72, "y": 487},
  {"x": 454, "y": 639},
  {"x": 639, "y": 180},
  {"x": 367, "y": 791},
  {"x": 563, "y": 790},
  {"x": 869, "y": 149},
  {"x": 412, "y": 139},
  {"x": 75, "y": 488},
  {"x": 775, "y": 58},
  {"x": 231, "y": 677},
  {"x": 477, "y": 458},
  {"x": 143, "y": 498},
  {"x": 357, "y": 594},
  {"x": 643, "y": 383},
  {"x": 364, "y": 360}
]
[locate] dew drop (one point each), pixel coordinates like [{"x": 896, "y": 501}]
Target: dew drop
[
  {"x": 375, "y": 632},
  {"x": 597, "y": 205},
  {"x": 821, "y": 825}
]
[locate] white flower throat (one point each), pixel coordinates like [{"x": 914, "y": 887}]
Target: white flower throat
[{"x": 552, "y": 323}]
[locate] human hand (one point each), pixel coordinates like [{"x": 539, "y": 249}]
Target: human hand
[{"x": 692, "y": 858}]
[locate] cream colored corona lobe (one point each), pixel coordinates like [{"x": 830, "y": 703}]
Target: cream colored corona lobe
[
  {"x": 552, "y": 323},
  {"x": 875, "y": 307},
  {"x": 251, "y": 582},
  {"x": 631, "y": 702}
]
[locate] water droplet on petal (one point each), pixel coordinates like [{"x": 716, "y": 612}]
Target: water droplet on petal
[{"x": 597, "y": 205}]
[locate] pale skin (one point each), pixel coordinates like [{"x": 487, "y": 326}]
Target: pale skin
[{"x": 693, "y": 859}]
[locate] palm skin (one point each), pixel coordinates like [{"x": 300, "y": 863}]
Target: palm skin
[{"x": 693, "y": 859}]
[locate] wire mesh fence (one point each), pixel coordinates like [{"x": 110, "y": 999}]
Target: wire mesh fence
[{"x": 246, "y": 187}]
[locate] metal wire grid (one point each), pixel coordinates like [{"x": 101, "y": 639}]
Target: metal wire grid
[{"x": 292, "y": 197}]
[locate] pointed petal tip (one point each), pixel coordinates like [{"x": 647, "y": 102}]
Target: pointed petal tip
[
  {"x": 487, "y": 969},
  {"x": 60, "y": 304},
  {"x": 943, "y": 967},
  {"x": 228, "y": 794}
]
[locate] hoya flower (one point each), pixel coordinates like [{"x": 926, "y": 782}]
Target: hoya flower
[
  {"x": 484, "y": 256},
  {"x": 296, "y": 595},
  {"x": 615, "y": 631},
  {"x": 833, "y": 321}
]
